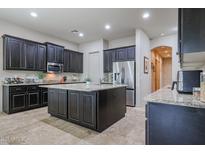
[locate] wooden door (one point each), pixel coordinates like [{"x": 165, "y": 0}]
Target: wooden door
[
  {"x": 74, "y": 106},
  {"x": 66, "y": 64},
  {"x": 30, "y": 55},
  {"x": 62, "y": 103},
  {"x": 53, "y": 101},
  {"x": 33, "y": 99},
  {"x": 18, "y": 102},
  {"x": 88, "y": 109},
  {"x": 41, "y": 58},
  {"x": 51, "y": 56},
  {"x": 14, "y": 53}
]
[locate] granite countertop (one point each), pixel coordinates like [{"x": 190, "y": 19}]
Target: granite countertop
[
  {"x": 43, "y": 83},
  {"x": 84, "y": 87},
  {"x": 167, "y": 96}
]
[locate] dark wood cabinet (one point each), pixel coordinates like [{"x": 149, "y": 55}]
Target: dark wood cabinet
[
  {"x": 191, "y": 30},
  {"x": 13, "y": 55},
  {"x": 54, "y": 53},
  {"x": 117, "y": 55},
  {"x": 66, "y": 61},
  {"x": 88, "y": 109},
  {"x": 108, "y": 59},
  {"x": 21, "y": 54},
  {"x": 95, "y": 110},
  {"x": 41, "y": 58},
  {"x": 76, "y": 62},
  {"x": 62, "y": 103},
  {"x": 74, "y": 106},
  {"x": 52, "y": 101},
  {"x": 18, "y": 102},
  {"x": 174, "y": 125},
  {"x": 121, "y": 54},
  {"x": 33, "y": 99},
  {"x": 44, "y": 96},
  {"x": 57, "y": 102},
  {"x": 21, "y": 98},
  {"x": 131, "y": 53},
  {"x": 30, "y": 50}
]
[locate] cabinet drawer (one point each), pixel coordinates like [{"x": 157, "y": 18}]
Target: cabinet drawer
[
  {"x": 17, "y": 89},
  {"x": 33, "y": 88}
]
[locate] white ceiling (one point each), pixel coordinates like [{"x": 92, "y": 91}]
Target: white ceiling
[{"x": 60, "y": 22}]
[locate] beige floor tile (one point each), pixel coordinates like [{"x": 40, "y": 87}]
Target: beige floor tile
[{"x": 38, "y": 127}]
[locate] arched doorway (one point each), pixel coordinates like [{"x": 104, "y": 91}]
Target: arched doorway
[{"x": 161, "y": 67}]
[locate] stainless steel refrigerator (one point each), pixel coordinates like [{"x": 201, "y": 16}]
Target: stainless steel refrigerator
[{"x": 124, "y": 73}]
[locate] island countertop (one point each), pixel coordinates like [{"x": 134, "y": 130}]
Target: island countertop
[
  {"x": 172, "y": 97},
  {"x": 84, "y": 87}
]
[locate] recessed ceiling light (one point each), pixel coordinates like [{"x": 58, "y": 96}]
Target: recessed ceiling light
[
  {"x": 34, "y": 14},
  {"x": 145, "y": 15},
  {"x": 162, "y": 34},
  {"x": 107, "y": 27},
  {"x": 81, "y": 34}
]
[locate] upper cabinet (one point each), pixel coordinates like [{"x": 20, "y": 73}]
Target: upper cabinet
[
  {"x": 54, "y": 53},
  {"x": 76, "y": 62},
  {"x": 191, "y": 30},
  {"x": 41, "y": 58},
  {"x": 191, "y": 37},
  {"x": 21, "y": 54},
  {"x": 66, "y": 64},
  {"x": 117, "y": 55},
  {"x": 108, "y": 59},
  {"x": 14, "y": 56}
]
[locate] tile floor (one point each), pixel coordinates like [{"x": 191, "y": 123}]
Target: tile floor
[{"x": 38, "y": 127}]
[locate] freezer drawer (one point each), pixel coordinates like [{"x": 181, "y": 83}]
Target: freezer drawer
[{"x": 130, "y": 97}]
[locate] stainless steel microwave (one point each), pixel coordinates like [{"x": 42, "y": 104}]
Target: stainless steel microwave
[{"x": 54, "y": 68}]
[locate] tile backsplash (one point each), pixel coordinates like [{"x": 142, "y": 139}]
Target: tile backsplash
[{"x": 24, "y": 74}]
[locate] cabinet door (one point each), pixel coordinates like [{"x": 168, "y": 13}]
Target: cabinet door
[
  {"x": 192, "y": 28},
  {"x": 41, "y": 58},
  {"x": 59, "y": 54},
  {"x": 106, "y": 61},
  {"x": 121, "y": 54},
  {"x": 66, "y": 66},
  {"x": 131, "y": 53},
  {"x": 30, "y": 55},
  {"x": 33, "y": 99},
  {"x": 175, "y": 125},
  {"x": 53, "y": 101},
  {"x": 51, "y": 53},
  {"x": 14, "y": 53},
  {"x": 73, "y": 62},
  {"x": 88, "y": 109},
  {"x": 18, "y": 102},
  {"x": 79, "y": 63},
  {"x": 74, "y": 106},
  {"x": 44, "y": 97},
  {"x": 62, "y": 103}
]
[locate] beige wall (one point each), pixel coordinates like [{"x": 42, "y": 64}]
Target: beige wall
[{"x": 166, "y": 71}]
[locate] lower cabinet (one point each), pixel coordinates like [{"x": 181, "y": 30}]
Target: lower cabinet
[
  {"x": 33, "y": 99},
  {"x": 57, "y": 102},
  {"x": 21, "y": 98},
  {"x": 17, "y": 102},
  {"x": 74, "y": 106},
  {"x": 82, "y": 108},
  {"x": 174, "y": 125},
  {"x": 44, "y": 96},
  {"x": 88, "y": 109}
]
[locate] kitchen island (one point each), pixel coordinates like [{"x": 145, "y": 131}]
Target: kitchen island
[
  {"x": 174, "y": 118},
  {"x": 93, "y": 106}
]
